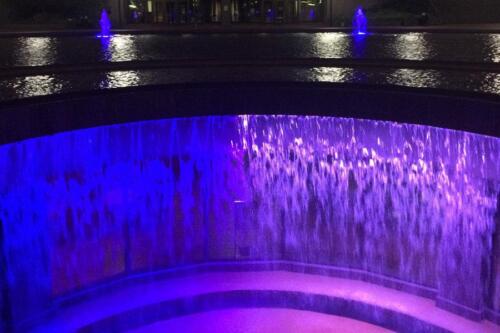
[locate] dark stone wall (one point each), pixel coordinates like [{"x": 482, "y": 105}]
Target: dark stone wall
[
  {"x": 467, "y": 11},
  {"x": 343, "y": 10}
]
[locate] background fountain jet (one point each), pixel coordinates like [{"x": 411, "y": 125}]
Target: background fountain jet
[
  {"x": 105, "y": 25},
  {"x": 359, "y": 22}
]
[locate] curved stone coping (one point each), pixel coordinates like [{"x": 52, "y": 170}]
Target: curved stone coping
[
  {"x": 254, "y": 29},
  {"x": 159, "y": 296},
  {"x": 259, "y": 299},
  {"x": 258, "y": 64},
  {"x": 38, "y": 116},
  {"x": 260, "y": 320},
  {"x": 248, "y": 266},
  {"x": 117, "y": 283}
]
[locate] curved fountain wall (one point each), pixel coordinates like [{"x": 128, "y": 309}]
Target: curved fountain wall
[{"x": 409, "y": 202}]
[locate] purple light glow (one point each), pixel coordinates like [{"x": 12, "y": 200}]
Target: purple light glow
[{"x": 411, "y": 202}]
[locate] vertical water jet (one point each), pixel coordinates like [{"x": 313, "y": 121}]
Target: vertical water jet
[
  {"x": 105, "y": 25},
  {"x": 359, "y": 22}
]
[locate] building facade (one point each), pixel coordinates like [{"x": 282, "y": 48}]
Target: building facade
[{"x": 232, "y": 11}]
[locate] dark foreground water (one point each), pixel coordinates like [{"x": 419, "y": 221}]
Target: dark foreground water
[
  {"x": 37, "y": 51},
  {"x": 21, "y": 87},
  {"x": 41, "y": 51}
]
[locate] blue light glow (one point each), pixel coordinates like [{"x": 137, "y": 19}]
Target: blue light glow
[
  {"x": 359, "y": 22},
  {"x": 105, "y": 25}
]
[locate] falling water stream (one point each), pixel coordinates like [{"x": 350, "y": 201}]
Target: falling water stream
[
  {"x": 360, "y": 22},
  {"x": 414, "y": 203}
]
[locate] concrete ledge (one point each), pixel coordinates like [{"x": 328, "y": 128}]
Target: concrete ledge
[
  {"x": 460, "y": 309},
  {"x": 260, "y": 320},
  {"x": 258, "y": 64},
  {"x": 493, "y": 316},
  {"x": 247, "y": 266},
  {"x": 261, "y": 299},
  {"x": 245, "y": 28},
  {"x": 146, "y": 298}
]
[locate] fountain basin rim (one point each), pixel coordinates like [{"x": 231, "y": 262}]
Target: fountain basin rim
[
  {"x": 257, "y": 64},
  {"x": 45, "y": 115},
  {"x": 124, "y": 281},
  {"x": 251, "y": 30},
  {"x": 117, "y": 282},
  {"x": 272, "y": 297}
]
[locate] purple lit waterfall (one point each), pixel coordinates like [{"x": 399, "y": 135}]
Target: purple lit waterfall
[
  {"x": 414, "y": 203},
  {"x": 410, "y": 202}
]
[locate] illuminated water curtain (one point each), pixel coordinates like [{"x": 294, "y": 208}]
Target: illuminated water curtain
[
  {"x": 359, "y": 22},
  {"x": 414, "y": 203},
  {"x": 105, "y": 25}
]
